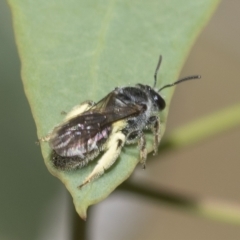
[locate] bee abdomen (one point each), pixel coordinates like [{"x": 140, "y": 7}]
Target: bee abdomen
[{"x": 73, "y": 151}]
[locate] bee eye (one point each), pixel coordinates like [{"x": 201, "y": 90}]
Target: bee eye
[{"x": 159, "y": 101}]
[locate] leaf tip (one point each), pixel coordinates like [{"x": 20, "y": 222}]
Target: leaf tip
[{"x": 82, "y": 212}]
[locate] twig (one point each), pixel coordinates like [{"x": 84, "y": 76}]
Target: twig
[
  {"x": 202, "y": 129},
  {"x": 211, "y": 209},
  {"x": 79, "y": 226}
]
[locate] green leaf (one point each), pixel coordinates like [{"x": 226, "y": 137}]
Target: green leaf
[{"x": 74, "y": 50}]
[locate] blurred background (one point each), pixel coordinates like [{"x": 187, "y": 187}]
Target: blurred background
[{"x": 35, "y": 205}]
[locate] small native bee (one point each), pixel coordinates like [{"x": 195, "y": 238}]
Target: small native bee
[{"x": 106, "y": 126}]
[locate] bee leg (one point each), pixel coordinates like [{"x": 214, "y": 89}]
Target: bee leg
[
  {"x": 157, "y": 135},
  {"x": 143, "y": 150},
  {"x": 114, "y": 148},
  {"x": 83, "y": 107}
]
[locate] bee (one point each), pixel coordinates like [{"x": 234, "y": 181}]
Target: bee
[{"x": 120, "y": 118}]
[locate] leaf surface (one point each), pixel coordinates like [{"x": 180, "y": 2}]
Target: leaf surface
[{"x": 72, "y": 51}]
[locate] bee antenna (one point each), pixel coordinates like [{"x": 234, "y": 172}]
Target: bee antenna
[
  {"x": 156, "y": 71},
  {"x": 180, "y": 80}
]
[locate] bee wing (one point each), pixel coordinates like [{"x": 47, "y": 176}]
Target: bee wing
[
  {"x": 117, "y": 106},
  {"x": 86, "y": 132}
]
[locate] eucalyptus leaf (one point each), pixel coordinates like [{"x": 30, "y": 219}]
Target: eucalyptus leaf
[{"x": 74, "y": 50}]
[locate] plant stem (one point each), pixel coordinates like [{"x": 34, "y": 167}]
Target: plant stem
[
  {"x": 210, "y": 209},
  {"x": 79, "y": 226},
  {"x": 202, "y": 129}
]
